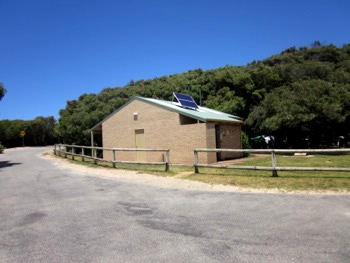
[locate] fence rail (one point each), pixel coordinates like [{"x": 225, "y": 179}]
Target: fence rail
[
  {"x": 63, "y": 149},
  {"x": 274, "y": 168}
]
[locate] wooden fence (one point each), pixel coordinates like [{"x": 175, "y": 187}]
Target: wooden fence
[
  {"x": 274, "y": 168},
  {"x": 63, "y": 149}
]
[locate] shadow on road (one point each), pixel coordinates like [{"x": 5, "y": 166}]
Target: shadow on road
[{"x": 7, "y": 164}]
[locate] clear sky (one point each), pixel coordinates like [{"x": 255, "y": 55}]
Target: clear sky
[{"x": 52, "y": 51}]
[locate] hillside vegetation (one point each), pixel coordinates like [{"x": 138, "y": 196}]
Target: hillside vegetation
[{"x": 302, "y": 93}]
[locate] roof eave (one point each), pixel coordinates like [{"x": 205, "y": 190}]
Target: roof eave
[
  {"x": 114, "y": 112},
  {"x": 227, "y": 121}
]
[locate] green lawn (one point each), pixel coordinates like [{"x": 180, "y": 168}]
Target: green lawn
[
  {"x": 286, "y": 180},
  {"x": 319, "y": 160}
]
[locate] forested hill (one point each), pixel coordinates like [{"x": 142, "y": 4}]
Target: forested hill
[{"x": 300, "y": 93}]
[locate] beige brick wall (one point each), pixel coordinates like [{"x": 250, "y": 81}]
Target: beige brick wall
[
  {"x": 162, "y": 129},
  {"x": 211, "y": 143},
  {"x": 230, "y": 138}
]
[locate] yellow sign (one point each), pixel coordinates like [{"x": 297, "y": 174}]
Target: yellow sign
[{"x": 22, "y": 133}]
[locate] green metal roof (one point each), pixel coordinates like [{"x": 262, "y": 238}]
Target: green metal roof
[{"x": 202, "y": 113}]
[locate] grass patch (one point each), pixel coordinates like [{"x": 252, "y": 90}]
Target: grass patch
[
  {"x": 286, "y": 180},
  {"x": 146, "y": 168},
  {"x": 319, "y": 160}
]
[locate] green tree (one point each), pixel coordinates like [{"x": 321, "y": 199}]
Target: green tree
[
  {"x": 226, "y": 101},
  {"x": 282, "y": 94},
  {"x": 38, "y": 132},
  {"x": 309, "y": 108},
  {"x": 2, "y": 90}
]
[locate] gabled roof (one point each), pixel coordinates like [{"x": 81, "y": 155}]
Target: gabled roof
[{"x": 203, "y": 114}]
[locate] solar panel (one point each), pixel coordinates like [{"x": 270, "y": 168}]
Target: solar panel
[
  {"x": 188, "y": 104},
  {"x": 185, "y": 100},
  {"x": 183, "y": 96}
]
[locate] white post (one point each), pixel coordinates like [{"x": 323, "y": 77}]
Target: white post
[
  {"x": 92, "y": 138},
  {"x": 94, "y": 154}
]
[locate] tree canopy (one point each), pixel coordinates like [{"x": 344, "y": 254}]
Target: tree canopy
[
  {"x": 300, "y": 93},
  {"x": 38, "y": 132},
  {"x": 2, "y": 90}
]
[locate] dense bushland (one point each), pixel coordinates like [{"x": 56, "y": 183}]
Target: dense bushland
[
  {"x": 300, "y": 95},
  {"x": 38, "y": 132}
]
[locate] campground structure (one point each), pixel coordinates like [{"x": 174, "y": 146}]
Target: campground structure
[{"x": 152, "y": 123}]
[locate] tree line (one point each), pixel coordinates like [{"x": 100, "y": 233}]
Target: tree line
[
  {"x": 38, "y": 132},
  {"x": 300, "y": 96},
  {"x": 2, "y": 90}
]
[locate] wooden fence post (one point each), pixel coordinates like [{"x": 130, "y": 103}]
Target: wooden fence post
[
  {"x": 113, "y": 158},
  {"x": 95, "y": 155},
  {"x": 167, "y": 161},
  {"x": 65, "y": 151},
  {"x": 82, "y": 154},
  {"x": 54, "y": 149},
  {"x": 73, "y": 152},
  {"x": 196, "y": 162},
  {"x": 274, "y": 164}
]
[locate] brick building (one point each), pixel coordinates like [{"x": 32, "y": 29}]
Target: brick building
[{"x": 152, "y": 123}]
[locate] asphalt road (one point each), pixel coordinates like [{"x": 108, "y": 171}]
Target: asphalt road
[{"x": 53, "y": 215}]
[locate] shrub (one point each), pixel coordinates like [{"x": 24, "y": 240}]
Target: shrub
[{"x": 245, "y": 143}]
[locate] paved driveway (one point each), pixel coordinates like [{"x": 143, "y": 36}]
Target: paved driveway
[{"x": 55, "y": 215}]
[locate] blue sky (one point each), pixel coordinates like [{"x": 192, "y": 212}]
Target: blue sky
[{"x": 54, "y": 51}]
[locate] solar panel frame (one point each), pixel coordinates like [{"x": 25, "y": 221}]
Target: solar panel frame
[{"x": 185, "y": 100}]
